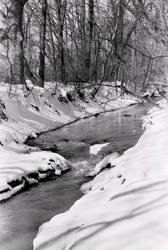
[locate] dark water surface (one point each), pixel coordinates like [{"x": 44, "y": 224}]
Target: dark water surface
[
  {"x": 120, "y": 128},
  {"x": 21, "y": 216}
]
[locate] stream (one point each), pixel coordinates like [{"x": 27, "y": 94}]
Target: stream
[{"x": 21, "y": 216}]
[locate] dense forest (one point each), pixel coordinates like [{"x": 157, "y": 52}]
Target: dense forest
[{"x": 80, "y": 41}]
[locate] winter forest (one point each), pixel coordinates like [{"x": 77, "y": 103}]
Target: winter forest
[
  {"x": 84, "y": 41},
  {"x": 83, "y": 124}
]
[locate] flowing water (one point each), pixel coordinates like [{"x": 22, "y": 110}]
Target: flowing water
[{"x": 21, "y": 216}]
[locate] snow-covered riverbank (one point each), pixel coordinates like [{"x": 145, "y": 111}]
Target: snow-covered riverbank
[
  {"x": 29, "y": 113},
  {"x": 126, "y": 205}
]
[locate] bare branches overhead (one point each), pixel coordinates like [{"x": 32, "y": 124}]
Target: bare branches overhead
[{"x": 87, "y": 40}]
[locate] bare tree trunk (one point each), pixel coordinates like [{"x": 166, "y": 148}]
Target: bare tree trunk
[
  {"x": 144, "y": 84},
  {"x": 118, "y": 42},
  {"x": 61, "y": 11},
  {"x": 29, "y": 74},
  {"x": 42, "y": 44},
  {"x": 15, "y": 37},
  {"x": 91, "y": 28},
  {"x": 54, "y": 61}
]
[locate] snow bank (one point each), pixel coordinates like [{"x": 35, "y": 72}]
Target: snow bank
[
  {"x": 97, "y": 148},
  {"x": 108, "y": 162},
  {"x": 127, "y": 205},
  {"x": 20, "y": 170}
]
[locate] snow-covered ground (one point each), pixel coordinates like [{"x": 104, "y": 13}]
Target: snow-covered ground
[
  {"x": 27, "y": 113},
  {"x": 126, "y": 205}
]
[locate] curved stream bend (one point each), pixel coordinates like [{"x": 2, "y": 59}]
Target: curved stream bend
[{"x": 21, "y": 216}]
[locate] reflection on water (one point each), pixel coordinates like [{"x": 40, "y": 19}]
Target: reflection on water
[
  {"x": 21, "y": 216},
  {"x": 121, "y": 128}
]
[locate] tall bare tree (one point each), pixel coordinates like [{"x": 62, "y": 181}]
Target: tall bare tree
[
  {"x": 42, "y": 43},
  {"x": 61, "y": 12},
  {"x": 90, "y": 36},
  {"x": 14, "y": 34}
]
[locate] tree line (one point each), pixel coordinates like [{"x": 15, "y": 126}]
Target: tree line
[{"x": 82, "y": 41}]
